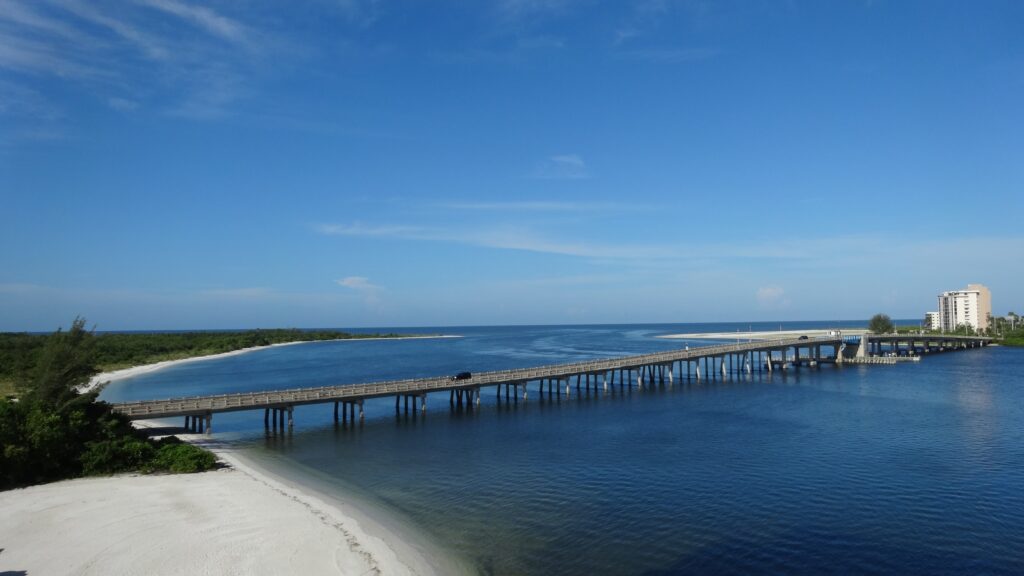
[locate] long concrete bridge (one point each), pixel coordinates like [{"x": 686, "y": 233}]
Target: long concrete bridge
[{"x": 699, "y": 362}]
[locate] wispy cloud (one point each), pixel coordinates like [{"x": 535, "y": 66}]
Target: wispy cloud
[
  {"x": 174, "y": 56},
  {"x": 29, "y": 16},
  {"x": 361, "y": 12},
  {"x": 362, "y": 285},
  {"x": 808, "y": 255},
  {"x": 27, "y": 115},
  {"x": 122, "y": 104},
  {"x": 251, "y": 293},
  {"x": 533, "y": 8},
  {"x": 503, "y": 237},
  {"x": 150, "y": 46},
  {"x": 562, "y": 167},
  {"x": 670, "y": 55},
  {"x": 544, "y": 206},
  {"x": 772, "y": 297},
  {"x": 204, "y": 18},
  {"x": 359, "y": 229},
  {"x": 644, "y": 15}
]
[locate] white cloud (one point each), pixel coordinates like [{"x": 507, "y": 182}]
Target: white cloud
[
  {"x": 362, "y": 285},
  {"x": 562, "y": 167},
  {"x": 772, "y": 297},
  {"x": 357, "y": 283}
]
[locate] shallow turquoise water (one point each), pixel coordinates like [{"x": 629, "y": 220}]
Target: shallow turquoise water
[{"x": 914, "y": 468}]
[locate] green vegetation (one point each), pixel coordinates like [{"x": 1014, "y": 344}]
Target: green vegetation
[
  {"x": 881, "y": 324},
  {"x": 1015, "y": 338},
  {"x": 112, "y": 351},
  {"x": 51, "y": 431},
  {"x": 1008, "y": 330}
]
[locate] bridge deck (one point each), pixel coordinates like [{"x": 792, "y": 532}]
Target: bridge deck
[{"x": 199, "y": 405}]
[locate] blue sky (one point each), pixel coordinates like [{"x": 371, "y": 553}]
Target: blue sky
[{"x": 175, "y": 164}]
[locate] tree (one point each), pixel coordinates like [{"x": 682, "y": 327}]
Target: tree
[
  {"x": 65, "y": 363},
  {"x": 881, "y": 324},
  {"x": 53, "y": 432}
]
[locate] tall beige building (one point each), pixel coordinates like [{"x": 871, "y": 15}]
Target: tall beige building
[{"x": 972, "y": 307}]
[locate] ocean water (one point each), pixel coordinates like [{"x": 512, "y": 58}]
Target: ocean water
[{"x": 913, "y": 468}]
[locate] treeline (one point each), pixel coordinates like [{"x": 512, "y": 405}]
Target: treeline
[
  {"x": 51, "y": 431},
  {"x": 1007, "y": 330},
  {"x": 1013, "y": 337},
  {"x": 112, "y": 351}
]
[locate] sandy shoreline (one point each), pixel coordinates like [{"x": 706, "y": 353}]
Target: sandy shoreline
[
  {"x": 764, "y": 334},
  {"x": 107, "y": 377},
  {"x": 236, "y": 520}
]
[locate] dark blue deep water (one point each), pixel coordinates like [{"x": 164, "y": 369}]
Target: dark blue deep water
[{"x": 913, "y": 468}]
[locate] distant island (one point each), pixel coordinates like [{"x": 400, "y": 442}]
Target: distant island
[{"x": 120, "y": 350}]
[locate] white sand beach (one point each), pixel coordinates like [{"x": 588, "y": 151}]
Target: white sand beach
[
  {"x": 230, "y": 521},
  {"x": 764, "y": 335},
  {"x": 107, "y": 377}
]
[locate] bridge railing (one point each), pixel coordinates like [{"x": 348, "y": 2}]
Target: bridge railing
[{"x": 340, "y": 392}]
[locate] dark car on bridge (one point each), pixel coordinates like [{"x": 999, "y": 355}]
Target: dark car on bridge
[{"x": 462, "y": 376}]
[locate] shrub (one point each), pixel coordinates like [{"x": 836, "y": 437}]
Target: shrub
[
  {"x": 116, "y": 455},
  {"x": 173, "y": 455}
]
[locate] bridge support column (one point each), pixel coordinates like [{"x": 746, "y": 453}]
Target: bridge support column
[{"x": 209, "y": 423}]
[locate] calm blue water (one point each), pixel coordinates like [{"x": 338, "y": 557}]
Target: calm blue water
[{"x": 867, "y": 470}]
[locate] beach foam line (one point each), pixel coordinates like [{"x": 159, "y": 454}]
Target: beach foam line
[{"x": 104, "y": 378}]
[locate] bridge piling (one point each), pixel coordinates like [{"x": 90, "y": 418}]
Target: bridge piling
[{"x": 649, "y": 369}]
